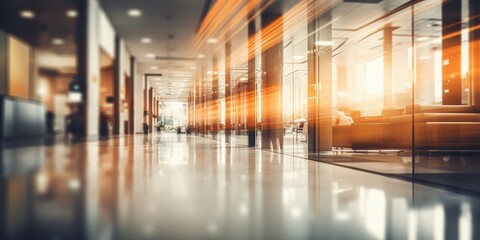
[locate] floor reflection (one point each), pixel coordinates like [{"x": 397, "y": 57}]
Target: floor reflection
[{"x": 184, "y": 187}]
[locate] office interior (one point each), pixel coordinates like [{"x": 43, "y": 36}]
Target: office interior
[{"x": 386, "y": 87}]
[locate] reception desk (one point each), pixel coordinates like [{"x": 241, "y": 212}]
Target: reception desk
[{"x": 21, "y": 119}]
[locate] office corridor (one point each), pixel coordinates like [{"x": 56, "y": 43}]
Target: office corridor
[{"x": 173, "y": 186}]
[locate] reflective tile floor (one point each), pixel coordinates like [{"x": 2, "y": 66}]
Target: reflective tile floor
[{"x": 184, "y": 187}]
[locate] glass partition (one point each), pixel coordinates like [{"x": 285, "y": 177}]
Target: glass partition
[
  {"x": 382, "y": 86},
  {"x": 371, "y": 80},
  {"x": 446, "y": 120},
  {"x": 294, "y": 94}
]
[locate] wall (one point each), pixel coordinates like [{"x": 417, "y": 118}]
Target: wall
[
  {"x": 138, "y": 95},
  {"x": 107, "y": 33},
  {"x": 3, "y": 63},
  {"x": 18, "y": 68},
  {"x": 93, "y": 70},
  {"x": 106, "y": 90},
  {"x": 101, "y": 35},
  {"x": 121, "y": 85}
]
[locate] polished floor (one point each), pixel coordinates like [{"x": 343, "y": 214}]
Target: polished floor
[{"x": 173, "y": 186}]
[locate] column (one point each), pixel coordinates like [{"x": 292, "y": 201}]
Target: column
[
  {"x": 117, "y": 78},
  {"x": 312, "y": 121},
  {"x": 387, "y": 65},
  {"x": 89, "y": 66},
  {"x": 324, "y": 64},
  {"x": 131, "y": 99},
  {"x": 82, "y": 57},
  {"x": 272, "y": 65},
  {"x": 452, "y": 52},
  {"x": 197, "y": 108},
  {"x": 228, "y": 90},
  {"x": 157, "y": 110},
  {"x": 145, "y": 99},
  {"x": 474, "y": 27},
  {"x": 251, "y": 94},
  {"x": 215, "y": 113},
  {"x": 190, "y": 104},
  {"x": 204, "y": 102},
  {"x": 320, "y": 84},
  {"x": 3, "y": 63},
  {"x": 150, "y": 109},
  {"x": 3, "y": 49}
]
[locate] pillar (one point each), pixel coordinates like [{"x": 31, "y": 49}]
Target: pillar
[
  {"x": 131, "y": 99},
  {"x": 154, "y": 112},
  {"x": 387, "y": 65},
  {"x": 117, "y": 78},
  {"x": 272, "y": 68},
  {"x": 215, "y": 113},
  {"x": 251, "y": 94},
  {"x": 197, "y": 108},
  {"x": 92, "y": 80},
  {"x": 203, "y": 102},
  {"x": 312, "y": 121},
  {"x": 228, "y": 90},
  {"x": 451, "y": 52},
  {"x": 474, "y": 26},
  {"x": 324, "y": 78},
  {"x": 157, "y": 110},
  {"x": 320, "y": 84},
  {"x": 150, "y": 109},
  {"x": 82, "y": 55},
  {"x": 3, "y": 63},
  {"x": 145, "y": 99}
]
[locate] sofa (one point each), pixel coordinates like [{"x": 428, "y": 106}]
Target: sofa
[{"x": 436, "y": 128}]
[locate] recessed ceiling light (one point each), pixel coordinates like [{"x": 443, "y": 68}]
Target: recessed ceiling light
[
  {"x": 150, "y": 55},
  {"x": 134, "y": 12},
  {"x": 154, "y": 67},
  {"x": 324, "y": 43},
  {"x": 58, "y": 41},
  {"x": 27, "y": 14},
  {"x": 201, "y": 56},
  {"x": 422, "y": 39},
  {"x": 298, "y": 57},
  {"x": 192, "y": 68},
  {"x": 71, "y": 13},
  {"x": 146, "y": 40},
  {"x": 212, "y": 40}
]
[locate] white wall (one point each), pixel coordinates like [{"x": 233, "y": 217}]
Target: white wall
[
  {"x": 93, "y": 70},
  {"x": 106, "y": 34},
  {"x": 101, "y": 35},
  {"x": 122, "y": 70},
  {"x": 138, "y": 96}
]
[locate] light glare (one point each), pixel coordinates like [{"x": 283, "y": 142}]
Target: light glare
[{"x": 134, "y": 12}]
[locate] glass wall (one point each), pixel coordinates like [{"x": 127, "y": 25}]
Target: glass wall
[
  {"x": 447, "y": 127},
  {"x": 372, "y": 77},
  {"x": 294, "y": 94},
  {"x": 384, "y": 86},
  {"x": 403, "y": 90}
]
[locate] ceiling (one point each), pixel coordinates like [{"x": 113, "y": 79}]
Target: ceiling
[
  {"x": 50, "y": 23},
  {"x": 171, "y": 27}
]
